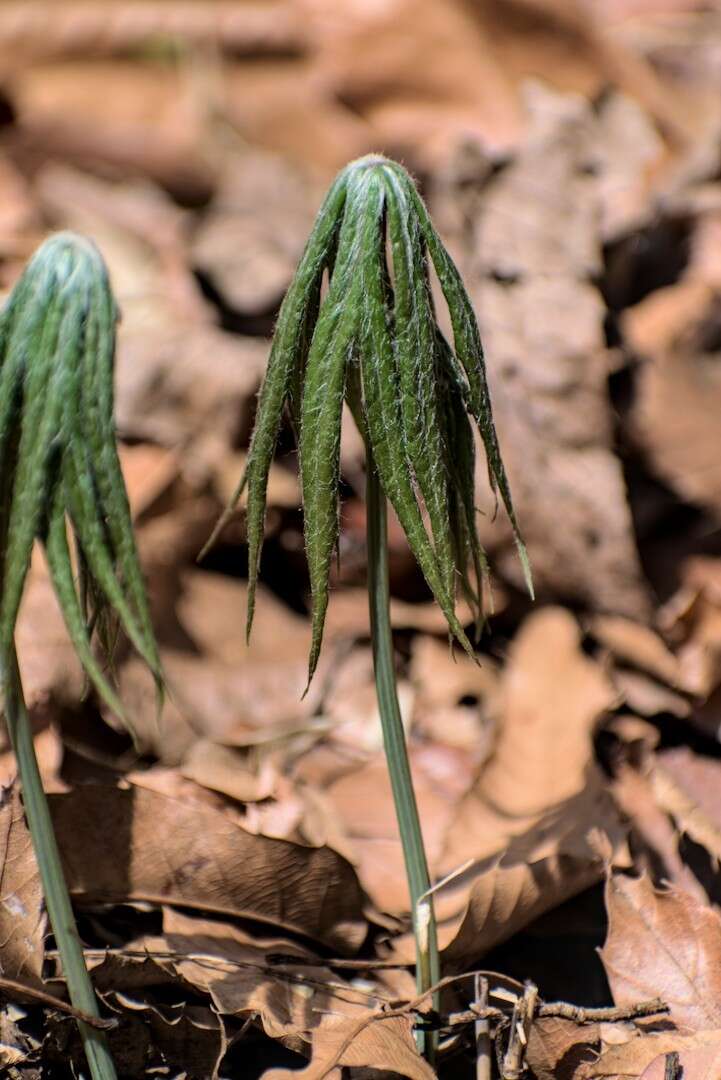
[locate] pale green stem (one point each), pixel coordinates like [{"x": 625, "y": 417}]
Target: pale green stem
[
  {"x": 57, "y": 898},
  {"x": 409, "y": 826}
]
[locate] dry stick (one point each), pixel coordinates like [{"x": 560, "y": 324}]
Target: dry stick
[
  {"x": 482, "y": 1030},
  {"x": 50, "y": 867},
  {"x": 523, "y": 1011},
  {"x": 13, "y": 987}
]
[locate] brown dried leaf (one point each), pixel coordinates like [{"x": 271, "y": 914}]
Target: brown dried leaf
[
  {"x": 638, "y": 798},
  {"x": 648, "y": 697},
  {"x": 136, "y": 844},
  {"x": 167, "y": 391},
  {"x": 540, "y": 786},
  {"x": 301, "y": 1001},
  {"x": 543, "y": 325},
  {"x": 22, "y": 910},
  {"x": 559, "y": 857},
  {"x": 225, "y": 690},
  {"x": 688, "y": 787},
  {"x": 557, "y": 1048},
  {"x": 455, "y": 697},
  {"x": 663, "y": 944},
  {"x": 548, "y": 711},
  {"x": 630, "y": 1060},
  {"x": 679, "y": 398},
  {"x": 638, "y": 645},
  {"x": 698, "y": 1063},
  {"x": 693, "y": 617},
  {"x": 48, "y": 751},
  {"x": 250, "y": 256},
  {"x": 386, "y": 1045}
]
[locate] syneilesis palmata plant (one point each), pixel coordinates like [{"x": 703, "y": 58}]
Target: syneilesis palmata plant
[
  {"x": 59, "y": 472},
  {"x": 358, "y": 324}
]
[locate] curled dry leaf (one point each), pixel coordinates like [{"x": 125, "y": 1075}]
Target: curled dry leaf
[
  {"x": 679, "y": 389},
  {"x": 693, "y": 618},
  {"x": 301, "y": 1002},
  {"x": 663, "y": 944},
  {"x": 547, "y": 714},
  {"x": 637, "y": 797},
  {"x": 557, "y": 1048},
  {"x": 647, "y": 1051},
  {"x": 646, "y": 696},
  {"x": 638, "y": 645},
  {"x": 688, "y": 787},
  {"x": 225, "y": 769},
  {"x": 385, "y": 1046},
  {"x": 692, "y": 1063},
  {"x": 22, "y": 911},
  {"x": 559, "y": 857},
  {"x": 124, "y": 844},
  {"x": 540, "y": 786}
]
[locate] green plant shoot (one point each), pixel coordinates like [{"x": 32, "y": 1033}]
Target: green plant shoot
[
  {"x": 358, "y": 324},
  {"x": 59, "y": 466}
]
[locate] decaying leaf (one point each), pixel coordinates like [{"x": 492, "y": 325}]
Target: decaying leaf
[
  {"x": 22, "y": 914},
  {"x": 558, "y": 1048},
  {"x": 559, "y": 857},
  {"x": 688, "y": 787},
  {"x": 638, "y": 645},
  {"x": 140, "y": 845},
  {"x": 385, "y": 1045},
  {"x": 664, "y": 944},
  {"x": 646, "y": 1054}
]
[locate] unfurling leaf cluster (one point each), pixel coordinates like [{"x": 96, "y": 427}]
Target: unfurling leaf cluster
[
  {"x": 358, "y": 324},
  {"x": 58, "y": 457}
]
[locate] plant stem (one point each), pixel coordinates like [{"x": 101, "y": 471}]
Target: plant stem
[
  {"x": 409, "y": 826},
  {"x": 57, "y": 898}
]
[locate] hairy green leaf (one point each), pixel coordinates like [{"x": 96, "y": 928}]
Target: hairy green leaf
[
  {"x": 322, "y": 406},
  {"x": 374, "y": 341},
  {"x": 58, "y": 457}
]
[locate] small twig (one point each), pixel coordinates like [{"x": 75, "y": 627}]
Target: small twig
[
  {"x": 524, "y": 1010},
  {"x": 286, "y": 960},
  {"x": 11, "y": 986},
  {"x": 386, "y": 1014},
  {"x": 562, "y": 1009},
  {"x": 583, "y": 1015},
  {"x": 482, "y": 1030},
  {"x": 672, "y": 1066}
]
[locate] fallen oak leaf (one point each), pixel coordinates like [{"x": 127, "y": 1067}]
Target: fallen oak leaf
[
  {"x": 697, "y": 1063},
  {"x": 119, "y": 844},
  {"x": 637, "y": 644},
  {"x": 22, "y": 913},
  {"x": 557, "y": 1048},
  {"x": 686, "y": 786},
  {"x": 548, "y": 713},
  {"x": 663, "y": 942},
  {"x": 233, "y": 967},
  {"x": 555, "y": 860},
  {"x": 631, "y": 1059},
  {"x": 385, "y": 1045}
]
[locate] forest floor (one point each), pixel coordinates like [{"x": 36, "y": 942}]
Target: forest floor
[{"x": 239, "y": 883}]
